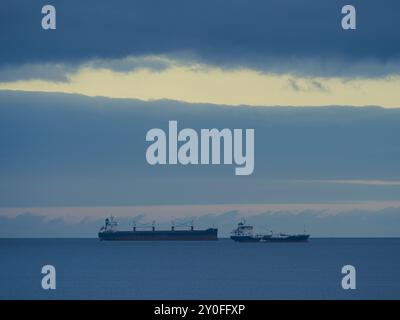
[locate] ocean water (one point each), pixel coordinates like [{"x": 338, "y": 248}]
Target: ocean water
[{"x": 90, "y": 269}]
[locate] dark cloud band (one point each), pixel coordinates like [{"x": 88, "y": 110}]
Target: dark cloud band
[{"x": 269, "y": 35}]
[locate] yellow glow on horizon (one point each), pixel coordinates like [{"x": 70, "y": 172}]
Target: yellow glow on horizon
[{"x": 214, "y": 85}]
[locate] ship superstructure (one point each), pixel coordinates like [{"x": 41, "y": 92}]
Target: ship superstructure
[{"x": 244, "y": 233}]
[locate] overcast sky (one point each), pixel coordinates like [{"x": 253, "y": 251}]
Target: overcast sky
[
  {"x": 267, "y": 52},
  {"x": 77, "y": 152},
  {"x": 76, "y": 103}
]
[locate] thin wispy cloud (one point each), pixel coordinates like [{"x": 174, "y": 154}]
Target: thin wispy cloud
[
  {"x": 361, "y": 182},
  {"x": 307, "y": 85}
]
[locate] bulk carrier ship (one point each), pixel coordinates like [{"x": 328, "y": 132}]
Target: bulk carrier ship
[{"x": 109, "y": 232}]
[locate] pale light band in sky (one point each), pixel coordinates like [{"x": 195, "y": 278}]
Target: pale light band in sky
[{"x": 199, "y": 83}]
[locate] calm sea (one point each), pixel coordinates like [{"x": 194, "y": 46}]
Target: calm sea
[{"x": 90, "y": 269}]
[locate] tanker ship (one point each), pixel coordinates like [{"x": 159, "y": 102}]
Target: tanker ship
[
  {"x": 244, "y": 233},
  {"x": 109, "y": 232}
]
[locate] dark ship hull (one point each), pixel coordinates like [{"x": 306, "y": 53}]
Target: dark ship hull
[
  {"x": 291, "y": 238},
  {"x": 245, "y": 239},
  {"x": 167, "y": 235}
]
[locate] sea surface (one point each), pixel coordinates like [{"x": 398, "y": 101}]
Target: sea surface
[{"x": 90, "y": 269}]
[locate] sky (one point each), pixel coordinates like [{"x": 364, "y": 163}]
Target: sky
[
  {"x": 76, "y": 103},
  {"x": 72, "y": 157},
  {"x": 264, "y": 53}
]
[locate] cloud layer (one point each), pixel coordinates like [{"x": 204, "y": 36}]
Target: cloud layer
[
  {"x": 271, "y": 36},
  {"x": 59, "y": 149}
]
